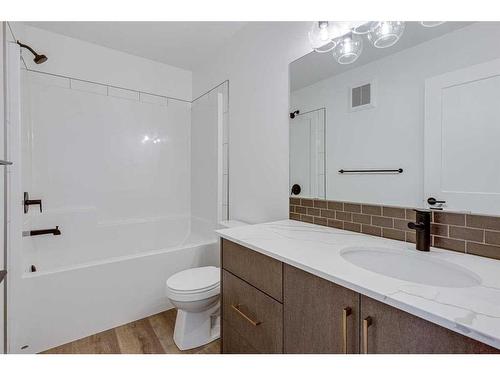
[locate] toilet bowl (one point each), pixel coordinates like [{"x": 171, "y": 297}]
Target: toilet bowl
[{"x": 195, "y": 292}]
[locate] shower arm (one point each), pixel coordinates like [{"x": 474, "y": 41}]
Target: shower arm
[
  {"x": 27, "y": 47},
  {"x": 39, "y": 59}
]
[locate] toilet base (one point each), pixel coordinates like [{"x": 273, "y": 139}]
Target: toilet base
[{"x": 193, "y": 329}]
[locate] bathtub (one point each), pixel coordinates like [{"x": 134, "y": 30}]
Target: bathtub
[{"x": 72, "y": 296}]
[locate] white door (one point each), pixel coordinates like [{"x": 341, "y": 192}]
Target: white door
[
  {"x": 307, "y": 156},
  {"x": 462, "y": 139}
]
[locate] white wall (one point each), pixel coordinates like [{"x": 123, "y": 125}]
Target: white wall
[
  {"x": 204, "y": 159},
  {"x": 208, "y": 158},
  {"x": 78, "y": 59},
  {"x": 256, "y": 62},
  {"x": 391, "y": 134}
]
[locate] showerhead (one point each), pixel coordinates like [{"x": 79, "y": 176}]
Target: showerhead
[{"x": 39, "y": 59}]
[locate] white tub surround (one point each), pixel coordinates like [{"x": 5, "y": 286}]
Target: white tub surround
[
  {"x": 113, "y": 167},
  {"x": 471, "y": 311}
]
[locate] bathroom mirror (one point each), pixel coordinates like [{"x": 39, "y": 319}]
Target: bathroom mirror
[{"x": 413, "y": 124}]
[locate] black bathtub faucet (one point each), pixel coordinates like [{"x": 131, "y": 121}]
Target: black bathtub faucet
[{"x": 55, "y": 231}]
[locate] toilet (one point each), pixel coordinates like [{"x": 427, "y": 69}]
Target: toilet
[{"x": 195, "y": 292}]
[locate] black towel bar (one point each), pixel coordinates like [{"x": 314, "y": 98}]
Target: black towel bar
[{"x": 399, "y": 170}]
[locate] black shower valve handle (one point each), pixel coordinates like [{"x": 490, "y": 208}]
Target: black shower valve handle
[
  {"x": 296, "y": 189},
  {"x": 30, "y": 202}
]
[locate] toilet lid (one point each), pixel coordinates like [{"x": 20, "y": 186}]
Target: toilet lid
[{"x": 195, "y": 279}]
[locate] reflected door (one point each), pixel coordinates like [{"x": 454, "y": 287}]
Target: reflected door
[
  {"x": 462, "y": 137},
  {"x": 307, "y": 154}
]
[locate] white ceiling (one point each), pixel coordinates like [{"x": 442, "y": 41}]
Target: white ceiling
[
  {"x": 182, "y": 44},
  {"x": 315, "y": 67}
]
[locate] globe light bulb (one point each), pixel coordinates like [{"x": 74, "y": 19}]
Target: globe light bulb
[
  {"x": 386, "y": 33},
  {"x": 320, "y": 36},
  {"x": 348, "y": 48},
  {"x": 323, "y": 30}
]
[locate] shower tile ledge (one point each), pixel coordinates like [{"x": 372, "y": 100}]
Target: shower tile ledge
[{"x": 472, "y": 311}]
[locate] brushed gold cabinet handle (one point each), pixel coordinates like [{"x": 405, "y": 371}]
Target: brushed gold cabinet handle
[
  {"x": 345, "y": 313},
  {"x": 366, "y": 323},
  {"x": 246, "y": 317}
]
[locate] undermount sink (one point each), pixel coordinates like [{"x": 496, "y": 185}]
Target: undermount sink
[{"x": 410, "y": 266}]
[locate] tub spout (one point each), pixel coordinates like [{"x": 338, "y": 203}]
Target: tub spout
[{"x": 56, "y": 232}]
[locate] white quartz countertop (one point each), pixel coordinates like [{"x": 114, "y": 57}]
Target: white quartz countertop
[{"x": 471, "y": 311}]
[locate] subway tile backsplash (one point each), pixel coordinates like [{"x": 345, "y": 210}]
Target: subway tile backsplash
[{"x": 472, "y": 234}]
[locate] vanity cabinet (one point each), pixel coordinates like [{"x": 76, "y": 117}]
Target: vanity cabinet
[
  {"x": 272, "y": 307},
  {"x": 319, "y": 316},
  {"x": 387, "y": 330}
]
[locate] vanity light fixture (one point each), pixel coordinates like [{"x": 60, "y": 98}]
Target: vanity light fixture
[
  {"x": 348, "y": 48},
  {"x": 345, "y": 38}
]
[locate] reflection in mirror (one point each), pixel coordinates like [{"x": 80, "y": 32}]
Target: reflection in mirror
[
  {"x": 307, "y": 154},
  {"x": 426, "y": 105}
]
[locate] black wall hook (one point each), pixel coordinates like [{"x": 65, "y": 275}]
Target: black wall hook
[{"x": 294, "y": 113}]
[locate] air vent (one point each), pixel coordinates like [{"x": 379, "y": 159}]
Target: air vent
[{"x": 362, "y": 97}]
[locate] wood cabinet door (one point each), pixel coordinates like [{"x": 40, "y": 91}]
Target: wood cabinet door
[
  {"x": 314, "y": 317},
  {"x": 259, "y": 270},
  {"x": 392, "y": 331},
  {"x": 234, "y": 343},
  {"x": 255, "y": 316}
]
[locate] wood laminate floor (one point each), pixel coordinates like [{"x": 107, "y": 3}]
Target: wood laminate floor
[{"x": 151, "y": 335}]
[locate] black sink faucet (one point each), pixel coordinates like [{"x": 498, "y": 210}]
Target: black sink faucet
[{"x": 422, "y": 226}]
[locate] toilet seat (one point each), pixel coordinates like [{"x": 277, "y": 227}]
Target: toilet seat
[{"x": 194, "y": 284}]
